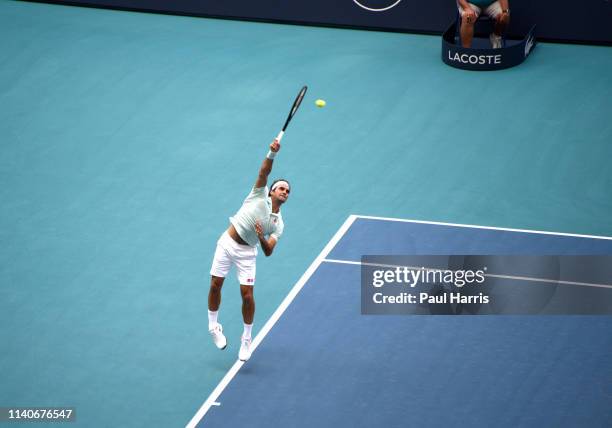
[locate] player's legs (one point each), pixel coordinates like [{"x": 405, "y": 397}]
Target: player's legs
[
  {"x": 467, "y": 24},
  {"x": 244, "y": 257},
  {"x": 214, "y": 300},
  {"x": 220, "y": 267},
  {"x": 246, "y": 277},
  {"x": 248, "y": 303},
  {"x": 214, "y": 293},
  {"x": 248, "y": 313},
  {"x": 221, "y": 264}
]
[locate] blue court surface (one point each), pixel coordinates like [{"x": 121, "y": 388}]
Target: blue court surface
[{"x": 319, "y": 362}]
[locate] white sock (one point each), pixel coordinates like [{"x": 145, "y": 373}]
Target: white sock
[
  {"x": 212, "y": 319},
  {"x": 247, "y": 331}
]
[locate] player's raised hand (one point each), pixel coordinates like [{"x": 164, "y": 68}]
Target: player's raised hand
[{"x": 275, "y": 146}]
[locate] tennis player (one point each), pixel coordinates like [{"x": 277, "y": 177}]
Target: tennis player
[{"x": 257, "y": 222}]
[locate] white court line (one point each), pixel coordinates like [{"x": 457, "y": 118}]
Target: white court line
[
  {"x": 474, "y": 226},
  {"x": 490, "y": 275},
  {"x": 212, "y": 399}
]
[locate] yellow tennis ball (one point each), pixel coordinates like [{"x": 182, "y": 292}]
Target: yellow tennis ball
[{"x": 320, "y": 103}]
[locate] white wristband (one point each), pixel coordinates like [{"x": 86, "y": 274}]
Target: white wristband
[{"x": 271, "y": 154}]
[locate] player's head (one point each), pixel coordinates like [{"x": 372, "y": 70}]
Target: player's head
[{"x": 279, "y": 190}]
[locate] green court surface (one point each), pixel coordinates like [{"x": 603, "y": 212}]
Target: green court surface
[{"x": 128, "y": 139}]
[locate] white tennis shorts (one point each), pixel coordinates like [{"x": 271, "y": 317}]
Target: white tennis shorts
[
  {"x": 492, "y": 10},
  {"x": 229, "y": 253}
]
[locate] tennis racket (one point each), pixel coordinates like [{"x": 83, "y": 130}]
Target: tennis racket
[{"x": 294, "y": 108}]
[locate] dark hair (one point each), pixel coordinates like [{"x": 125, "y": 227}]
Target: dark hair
[{"x": 276, "y": 181}]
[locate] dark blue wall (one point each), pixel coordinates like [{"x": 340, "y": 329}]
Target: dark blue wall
[{"x": 587, "y": 21}]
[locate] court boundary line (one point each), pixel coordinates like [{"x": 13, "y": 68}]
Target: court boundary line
[
  {"x": 490, "y": 275},
  {"x": 475, "y": 226},
  {"x": 214, "y": 395}
]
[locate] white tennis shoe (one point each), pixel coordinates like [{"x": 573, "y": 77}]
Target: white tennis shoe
[
  {"x": 245, "y": 349},
  {"x": 217, "y": 334}
]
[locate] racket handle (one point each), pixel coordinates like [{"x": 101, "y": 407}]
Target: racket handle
[{"x": 279, "y": 137}]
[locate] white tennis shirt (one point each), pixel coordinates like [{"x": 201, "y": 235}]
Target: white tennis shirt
[{"x": 257, "y": 206}]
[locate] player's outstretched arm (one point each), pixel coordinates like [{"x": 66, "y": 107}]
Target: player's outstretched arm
[{"x": 266, "y": 166}]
